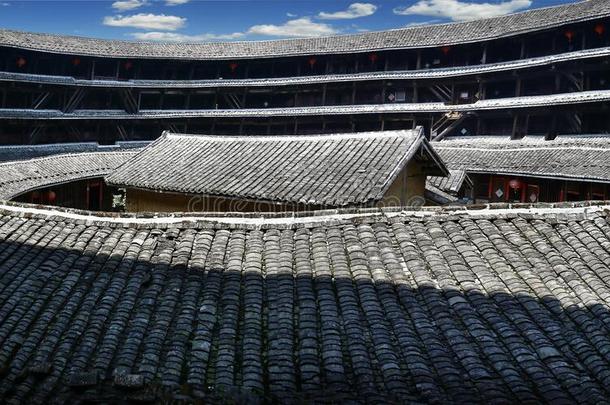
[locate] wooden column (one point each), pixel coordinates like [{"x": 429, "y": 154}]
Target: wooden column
[{"x": 324, "y": 86}]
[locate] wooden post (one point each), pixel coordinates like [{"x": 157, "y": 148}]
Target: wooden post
[
  {"x": 490, "y": 186},
  {"x": 324, "y": 94},
  {"x": 515, "y": 124},
  {"x": 522, "y": 52},
  {"x": 481, "y": 90}
]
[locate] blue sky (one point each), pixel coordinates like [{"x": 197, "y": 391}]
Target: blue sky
[{"x": 212, "y": 20}]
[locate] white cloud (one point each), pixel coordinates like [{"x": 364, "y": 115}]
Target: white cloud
[
  {"x": 5, "y": 4},
  {"x": 457, "y": 10},
  {"x": 175, "y": 2},
  {"x": 300, "y": 27},
  {"x": 124, "y": 5},
  {"x": 355, "y": 10},
  {"x": 159, "y": 22},
  {"x": 176, "y": 37},
  {"x": 290, "y": 15}
]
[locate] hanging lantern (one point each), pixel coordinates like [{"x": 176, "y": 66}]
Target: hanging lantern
[
  {"x": 76, "y": 61},
  {"x": 569, "y": 34},
  {"x": 51, "y": 196},
  {"x": 445, "y": 50},
  {"x": 36, "y": 195},
  {"x": 21, "y": 62},
  {"x": 312, "y": 61},
  {"x": 515, "y": 184},
  {"x": 233, "y": 66},
  {"x": 599, "y": 29},
  {"x": 373, "y": 57},
  {"x": 128, "y": 65}
]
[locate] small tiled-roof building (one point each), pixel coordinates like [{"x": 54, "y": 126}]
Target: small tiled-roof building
[
  {"x": 219, "y": 173},
  {"x": 431, "y": 306},
  {"x": 72, "y": 180},
  {"x": 531, "y": 169}
]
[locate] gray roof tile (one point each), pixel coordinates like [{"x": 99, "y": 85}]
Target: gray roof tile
[
  {"x": 492, "y": 305},
  {"x": 566, "y": 157},
  {"x": 18, "y": 177},
  {"x": 414, "y": 37},
  {"x": 335, "y": 170},
  {"x": 25, "y": 152}
]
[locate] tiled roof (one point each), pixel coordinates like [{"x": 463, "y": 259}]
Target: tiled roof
[
  {"x": 438, "y": 196},
  {"x": 578, "y": 157},
  {"x": 334, "y": 170},
  {"x": 492, "y": 306},
  {"x": 24, "y": 152},
  {"x": 303, "y": 80},
  {"x": 452, "y": 183},
  {"x": 22, "y": 176},
  {"x": 582, "y": 97},
  {"x": 414, "y": 37}
]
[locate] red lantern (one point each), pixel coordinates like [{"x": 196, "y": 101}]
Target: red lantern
[
  {"x": 35, "y": 195},
  {"x": 76, "y": 61},
  {"x": 312, "y": 61},
  {"x": 128, "y": 65},
  {"x": 21, "y": 62},
  {"x": 599, "y": 29},
  {"x": 51, "y": 196},
  {"x": 445, "y": 50},
  {"x": 233, "y": 66},
  {"x": 373, "y": 57},
  {"x": 569, "y": 34},
  {"x": 515, "y": 184}
]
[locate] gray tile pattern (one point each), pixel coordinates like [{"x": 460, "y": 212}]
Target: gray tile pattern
[
  {"x": 25, "y": 152},
  {"x": 21, "y": 176},
  {"x": 577, "y": 158},
  {"x": 504, "y": 306},
  {"x": 415, "y": 37},
  {"x": 451, "y": 183},
  {"x": 333, "y": 170}
]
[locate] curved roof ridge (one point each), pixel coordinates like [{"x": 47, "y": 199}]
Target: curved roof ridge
[
  {"x": 306, "y": 218},
  {"x": 413, "y": 28},
  {"x": 398, "y": 38}
]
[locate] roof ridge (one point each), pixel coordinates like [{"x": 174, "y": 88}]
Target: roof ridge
[
  {"x": 307, "y": 218},
  {"x": 72, "y": 154},
  {"x": 426, "y": 36},
  {"x": 310, "y": 137},
  {"x": 357, "y": 34}
]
